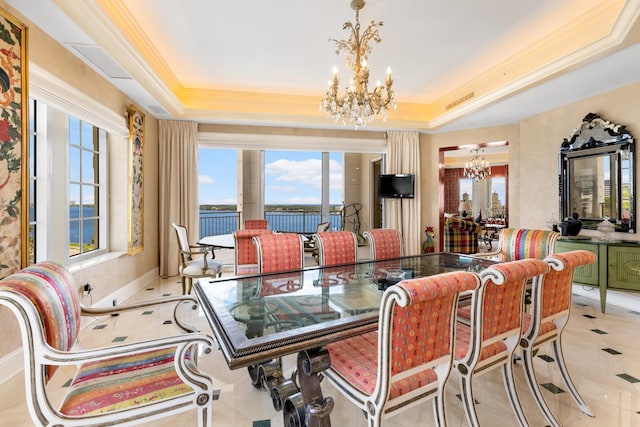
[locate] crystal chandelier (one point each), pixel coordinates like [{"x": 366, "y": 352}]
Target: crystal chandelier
[
  {"x": 358, "y": 105},
  {"x": 478, "y": 168}
]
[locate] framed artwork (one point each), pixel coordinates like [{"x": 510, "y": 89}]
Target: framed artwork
[
  {"x": 14, "y": 146},
  {"x": 136, "y": 180}
]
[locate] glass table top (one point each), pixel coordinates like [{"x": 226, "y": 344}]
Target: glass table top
[{"x": 256, "y": 318}]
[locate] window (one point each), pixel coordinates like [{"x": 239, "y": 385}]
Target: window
[
  {"x": 84, "y": 185},
  {"x": 66, "y": 153}
]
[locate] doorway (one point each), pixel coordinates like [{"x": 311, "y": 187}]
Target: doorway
[
  {"x": 488, "y": 197},
  {"x": 376, "y": 171}
]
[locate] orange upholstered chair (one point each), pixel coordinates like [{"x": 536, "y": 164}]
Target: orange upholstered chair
[
  {"x": 128, "y": 384},
  {"x": 488, "y": 331},
  {"x": 408, "y": 359},
  {"x": 279, "y": 252},
  {"x": 384, "y": 243},
  {"x": 544, "y": 323},
  {"x": 256, "y": 224},
  {"x": 246, "y": 252},
  {"x": 336, "y": 247}
]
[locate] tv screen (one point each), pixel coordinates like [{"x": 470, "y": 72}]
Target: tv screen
[{"x": 396, "y": 186}]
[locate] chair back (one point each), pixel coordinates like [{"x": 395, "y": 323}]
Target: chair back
[
  {"x": 278, "y": 252},
  {"x": 246, "y": 251},
  {"x": 556, "y": 288},
  {"x": 384, "y": 243},
  {"x": 322, "y": 227},
  {"x": 183, "y": 242},
  {"x": 499, "y": 306},
  {"x": 336, "y": 247},
  {"x": 256, "y": 224},
  {"x": 417, "y": 319},
  {"x": 460, "y": 236},
  {"x": 521, "y": 243},
  {"x": 44, "y": 298}
]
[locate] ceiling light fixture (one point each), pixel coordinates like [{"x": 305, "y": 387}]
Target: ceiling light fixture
[
  {"x": 478, "y": 168},
  {"x": 358, "y": 105}
]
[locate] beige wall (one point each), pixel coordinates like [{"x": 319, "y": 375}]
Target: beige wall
[{"x": 108, "y": 277}]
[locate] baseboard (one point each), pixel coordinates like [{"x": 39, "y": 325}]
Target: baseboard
[
  {"x": 13, "y": 363},
  {"x": 627, "y": 300}
]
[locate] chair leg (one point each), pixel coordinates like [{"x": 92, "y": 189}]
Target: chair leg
[
  {"x": 557, "y": 349},
  {"x": 183, "y": 280},
  {"x": 512, "y": 393},
  {"x": 467, "y": 399},
  {"x": 190, "y": 285},
  {"x": 530, "y": 375},
  {"x": 439, "y": 407}
]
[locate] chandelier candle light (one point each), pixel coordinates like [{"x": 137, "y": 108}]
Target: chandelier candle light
[
  {"x": 478, "y": 168},
  {"x": 358, "y": 105}
]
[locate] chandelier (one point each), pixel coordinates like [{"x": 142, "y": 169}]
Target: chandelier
[
  {"x": 478, "y": 168},
  {"x": 358, "y": 105}
]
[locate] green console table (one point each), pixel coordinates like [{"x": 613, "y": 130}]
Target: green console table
[{"x": 618, "y": 265}]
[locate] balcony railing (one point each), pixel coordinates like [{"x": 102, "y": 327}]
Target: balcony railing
[{"x": 213, "y": 223}]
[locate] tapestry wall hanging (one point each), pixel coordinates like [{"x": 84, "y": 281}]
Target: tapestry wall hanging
[
  {"x": 14, "y": 214},
  {"x": 136, "y": 180}
]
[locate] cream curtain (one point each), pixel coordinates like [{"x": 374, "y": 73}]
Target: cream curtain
[
  {"x": 403, "y": 156},
  {"x": 178, "y": 188}
]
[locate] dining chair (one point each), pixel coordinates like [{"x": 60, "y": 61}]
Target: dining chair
[
  {"x": 336, "y": 247},
  {"x": 408, "y": 359},
  {"x": 279, "y": 252},
  {"x": 126, "y": 384},
  {"x": 488, "y": 330},
  {"x": 545, "y": 322},
  {"x": 256, "y": 224},
  {"x": 521, "y": 243},
  {"x": 310, "y": 244},
  {"x": 191, "y": 267},
  {"x": 384, "y": 243},
  {"x": 246, "y": 253}
]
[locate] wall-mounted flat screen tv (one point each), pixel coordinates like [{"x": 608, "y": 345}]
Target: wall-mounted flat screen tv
[{"x": 396, "y": 186}]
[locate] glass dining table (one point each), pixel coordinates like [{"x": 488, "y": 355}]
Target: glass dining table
[{"x": 258, "y": 319}]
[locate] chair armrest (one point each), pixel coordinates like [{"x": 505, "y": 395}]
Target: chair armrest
[
  {"x": 178, "y": 300},
  {"x": 82, "y": 356}
]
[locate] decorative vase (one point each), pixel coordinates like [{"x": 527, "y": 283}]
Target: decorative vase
[{"x": 428, "y": 245}]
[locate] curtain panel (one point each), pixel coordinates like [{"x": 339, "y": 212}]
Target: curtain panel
[
  {"x": 178, "y": 188},
  {"x": 403, "y": 156}
]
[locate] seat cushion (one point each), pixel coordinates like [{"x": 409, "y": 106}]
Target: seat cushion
[
  {"x": 195, "y": 268},
  {"x": 356, "y": 360},
  {"x": 123, "y": 382},
  {"x": 545, "y": 327}
]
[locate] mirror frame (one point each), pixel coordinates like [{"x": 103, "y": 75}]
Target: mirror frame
[{"x": 597, "y": 137}]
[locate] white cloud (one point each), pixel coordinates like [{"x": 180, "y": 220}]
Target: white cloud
[{"x": 205, "y": 180}]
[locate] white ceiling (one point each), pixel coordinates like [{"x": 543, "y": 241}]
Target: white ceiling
[{"x": 281, "y": 48}]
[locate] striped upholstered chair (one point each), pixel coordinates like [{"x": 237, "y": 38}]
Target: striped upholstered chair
[
  {"x": 127, "y": 384},
  {"x": 384, "y": 243},
  {"x": 246, "y": 252},
  {"x": 460, "y": 236},
  {"x": 544, "y": 323},
  {"x": 488, "y": 330},
  {"x": 521, "y": 243},
  {"x": 408, "y": 359}
]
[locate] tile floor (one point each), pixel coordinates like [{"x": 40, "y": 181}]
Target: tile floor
[{"x": 602, "y": 352}]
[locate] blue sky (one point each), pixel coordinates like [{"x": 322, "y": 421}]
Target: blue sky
[{"x": 291, "y": 177}]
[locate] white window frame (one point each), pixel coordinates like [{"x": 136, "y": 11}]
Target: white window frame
[{"x": 60, "y": 101}]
